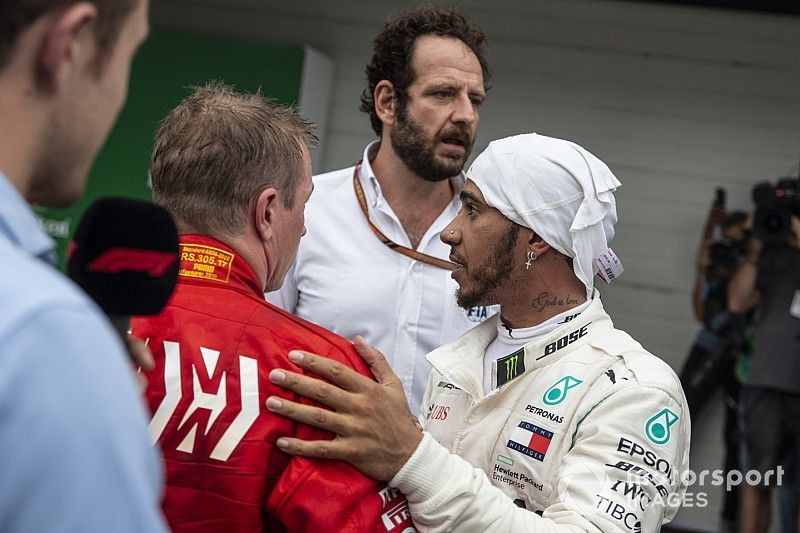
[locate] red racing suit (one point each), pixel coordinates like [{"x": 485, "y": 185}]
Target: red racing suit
[{"x": 214, "y": 346}]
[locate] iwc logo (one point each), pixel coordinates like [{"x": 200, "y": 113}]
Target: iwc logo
[
  {"x": 658, "y": 427},
  {"x": 558, "y": 392}
]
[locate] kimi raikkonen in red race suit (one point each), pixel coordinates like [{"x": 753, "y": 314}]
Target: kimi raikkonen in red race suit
[{"x": 214, "y": 346}]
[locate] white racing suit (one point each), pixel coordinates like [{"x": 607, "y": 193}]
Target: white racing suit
[{"x": 583, "y": 430}]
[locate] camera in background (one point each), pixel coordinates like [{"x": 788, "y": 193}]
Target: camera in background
[{"x": 775, "y": 205}]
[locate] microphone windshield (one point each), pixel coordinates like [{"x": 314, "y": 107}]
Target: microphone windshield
[{"x": 125, "y": 256}]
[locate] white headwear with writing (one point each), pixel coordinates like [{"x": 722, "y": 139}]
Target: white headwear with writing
[{"x": 557, "y": 189}]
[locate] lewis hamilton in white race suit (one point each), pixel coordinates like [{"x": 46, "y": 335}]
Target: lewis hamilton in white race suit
[{"x": 545, "y": 418}]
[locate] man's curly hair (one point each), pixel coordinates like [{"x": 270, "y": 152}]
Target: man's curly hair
[{"x": 394, "y": 45}]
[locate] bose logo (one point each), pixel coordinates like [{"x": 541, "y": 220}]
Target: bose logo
[{"x": 566, "y": 340}]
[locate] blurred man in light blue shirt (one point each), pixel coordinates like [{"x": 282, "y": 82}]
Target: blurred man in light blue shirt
[{"x": 75, "y": 451}]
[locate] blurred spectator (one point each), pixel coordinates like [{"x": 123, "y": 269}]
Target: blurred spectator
[
  {"x": 768, "y": 281},
  {"x": 711, "y": 362}
]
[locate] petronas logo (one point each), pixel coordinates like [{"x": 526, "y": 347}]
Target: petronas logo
[
  {"x": 558, "y": 392},
  {"x": 658, "y": 427}
]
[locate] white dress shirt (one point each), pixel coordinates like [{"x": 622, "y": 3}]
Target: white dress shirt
[{"x": 346, "y": 280}]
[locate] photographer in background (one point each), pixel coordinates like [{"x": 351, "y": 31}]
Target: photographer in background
[
  {"x": 768, "y": 281},
  {"x": 713, "y": 219},
  {"x": 712, "y": 359}
]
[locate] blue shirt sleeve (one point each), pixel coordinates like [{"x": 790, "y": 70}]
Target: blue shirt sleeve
[{"x": 73, "y": 431}]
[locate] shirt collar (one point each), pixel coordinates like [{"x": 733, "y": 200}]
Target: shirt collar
[
  {"x": 369, "y": 182},
  {"x": 20, "y": 226},
  {"x": 207, "y": 261},
  {"x": 521, "y": 336},
  {"x": 462, "y": 359}
]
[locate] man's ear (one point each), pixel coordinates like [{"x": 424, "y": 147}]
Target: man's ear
[
  {"x": 61, "y": 46},
  {"x": 385, "y": 102},
  {"x": 265, "y": 213},
  {"x": 537, "y": 245}
]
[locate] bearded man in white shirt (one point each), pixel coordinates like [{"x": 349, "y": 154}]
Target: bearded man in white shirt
[
  {"x": 372, "y": 262},
  {"x": 544, "y": 418}
]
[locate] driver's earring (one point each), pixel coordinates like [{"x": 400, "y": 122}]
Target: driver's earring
[{"x": 531, "y": 259}]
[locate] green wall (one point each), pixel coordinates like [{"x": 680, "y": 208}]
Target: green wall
[{"x": 165, "y": 67}]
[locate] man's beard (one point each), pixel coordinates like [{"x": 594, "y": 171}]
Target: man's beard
[
  {"x": 416, "y": 151},
  {"x": 485, "y": 281}
]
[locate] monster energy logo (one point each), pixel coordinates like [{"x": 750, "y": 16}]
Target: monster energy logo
[
  {"x": 658, "y": 427},
  {"x": 510, "y": 366},
  {"x": 558, "y": 392}
]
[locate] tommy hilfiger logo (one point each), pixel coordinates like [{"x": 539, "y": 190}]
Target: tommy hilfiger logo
[{"x": 530, "y": 439}]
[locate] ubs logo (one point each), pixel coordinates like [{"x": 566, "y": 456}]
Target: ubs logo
[{"x": 437, "y": 412}]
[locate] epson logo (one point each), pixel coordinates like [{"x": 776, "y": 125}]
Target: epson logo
[
  {"x": 544, "y": 414},
  {"x": 649, "y": 458},
  {"x": 566, "y": 340}
]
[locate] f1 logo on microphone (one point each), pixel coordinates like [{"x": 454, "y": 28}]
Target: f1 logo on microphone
[{"x": 115, "y": 260}]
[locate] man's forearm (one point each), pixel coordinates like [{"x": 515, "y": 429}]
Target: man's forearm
[
  {"x": 697, "y": 298},
  {"x": 742, "y": 294},
  {"x": 446, "y": 493}
]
